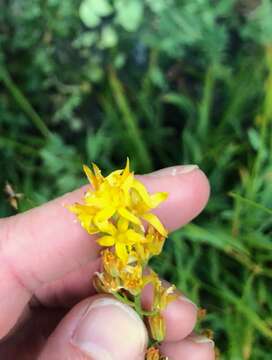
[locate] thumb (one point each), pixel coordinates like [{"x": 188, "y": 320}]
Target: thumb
[{"x": 98, "y": 328}]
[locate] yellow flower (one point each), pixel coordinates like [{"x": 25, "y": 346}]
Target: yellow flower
[
  {"x": 157, "y": 326},
  {"x": 122, "y": 237},
  {"x": 116, "y": 275},
  {"x": 105, "y": 283},
  {"x": 107, "y": 197},
  {"x": 85, "y": 215},
  {"x": 111, "y": 263},
  {"x": 152, "y": 245},
  {"x": 132, "y": 279},
  {"x": 108, "y": 281},
  {"x": 119, "y": 207},
  {"x": 118, "y": 194},
  {"x": 162, "y": 297},
  {"x": 152, "y": 354},
  {"x": 143, "y": 202}
]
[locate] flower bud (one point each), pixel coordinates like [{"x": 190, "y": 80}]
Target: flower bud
[
  {"x": 157, "y": 327},
  {"x": 152, "y": 354}
]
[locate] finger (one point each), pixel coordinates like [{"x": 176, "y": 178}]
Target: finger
[
  {"x": 26, "y": 341},
  {"x": 45, "y": 243},
  {"x": 98, "y": 328},
  {"x": 52, "y": 224},
  {"x": 188, "y": 192},
  {"x": 180, "y": 315},
  {"x": 70, "y": 289},
  {"x": 194, "y": 348}
]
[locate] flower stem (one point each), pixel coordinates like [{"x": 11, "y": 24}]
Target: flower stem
[
  {"x": 138, "y": 305},
  {"x": 123, "y": 299},
  {"x": 133, "y": 130},
  {"x": 23, "y": 102}
]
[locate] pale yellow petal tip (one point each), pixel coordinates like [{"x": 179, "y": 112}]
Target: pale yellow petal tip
[
  {"x": 161, "y": 229},
  {"x": 96, "y": 169},
  {"x": 86, "y": 168},
  {"x": 153, "y": 220},
  {"x": 127, "y": 163},
  {"x": 164, "y": 232},
  {"x": 126, "y": 171},
  {"x": 88, "y": 172},
  {"x": 90, "y": 175}
]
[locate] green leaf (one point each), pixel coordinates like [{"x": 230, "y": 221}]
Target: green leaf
[
  {"x": 179, "y": 100},
  {"x": 129, "y": 14},
  {"x": 108, "y": 38},
  {"x": 86, "y": 39},
  {"x": 119, "y": 60},
  {"x": 254, "y": 138},
  {"x": 91, "y": 11},
  {"x": 87, "y": 15},
  {"x": 156, "y": 6}
]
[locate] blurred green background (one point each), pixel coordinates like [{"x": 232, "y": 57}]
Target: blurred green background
[{"x": 165, "y": 82}]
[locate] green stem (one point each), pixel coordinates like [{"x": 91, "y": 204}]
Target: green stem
[
  {"x": 130, "y": 122},
  {"x": 251, "y": 316},
  {"x": 206, "y": 103},
  {"x": 138, "y": 305},
  {"x": 251, "y": 203},
  {"x": 149, "y": 313},
  {"x": 265, "y": 118},
  {"x": 22, "y": 101},
  {"x": 123, "y": 299},
  {"x": 13, "y": 144}
]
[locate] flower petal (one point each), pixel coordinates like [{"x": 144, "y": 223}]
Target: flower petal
[
  {"x": 122, "y": 224},
  {"x": 155, "y": 222},
  {"x": 92, "y": 230},
  {"x": 113, "y": 176},
  {"x": 99, "y": 202},
  {"x": 133, "y": 237},
  {"x": 157, "y": 198},
  {"x": 141, "y": 190},
  {"x": 121, "y": 251},
  {"x": 129, "y": 216},
  {"x": 98, "y": 174},
  {"x": 85, "y": 215},
  {"x": 78, "y": 209},
  {"x": 126, "y": 171},
  {"x": 107, "y": 227},
  {"x": 104, "y": 214},
  {"x": 106, "y": 241},
  {"x": 91, "y": 177}
]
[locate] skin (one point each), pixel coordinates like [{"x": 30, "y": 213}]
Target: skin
[{"x": 46, "y": 263}]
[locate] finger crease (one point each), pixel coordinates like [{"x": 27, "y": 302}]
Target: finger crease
[{"x": 15, "y": 275}]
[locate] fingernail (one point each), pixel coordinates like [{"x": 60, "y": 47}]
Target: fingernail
[
  {"x": 110, "y": 330},
  {"x": 200, "y": 339},
  {"x": 184, "y": 298},
  {"x": 174, "y": 171}
]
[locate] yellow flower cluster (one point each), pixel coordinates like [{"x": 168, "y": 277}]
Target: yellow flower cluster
[{"x": 118, "y": 208}]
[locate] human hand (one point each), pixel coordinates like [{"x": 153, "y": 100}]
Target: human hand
[{"x": 46, "y": 262}]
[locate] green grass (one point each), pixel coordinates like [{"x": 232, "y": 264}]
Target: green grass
[{"x": 198, "y": 91}]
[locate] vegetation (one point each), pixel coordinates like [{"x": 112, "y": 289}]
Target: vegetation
[{"x": 164, "y": 82}]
